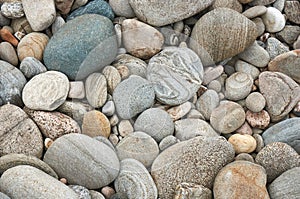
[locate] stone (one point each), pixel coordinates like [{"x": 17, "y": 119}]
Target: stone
[
  {"x": 287, "y": 63},
  {"x": 78, "y": 3},
  {"x": 3, "y": 196},
  {"x": 255, "y": 11},
  {"x": 289, "y": 34},
  {"x": 33, "y": 9},
  {"x": 46, "y": 91},
  {"x": 159, "y": 13},
  {"x": 244, "y": 129},
  {"x": 238, "y": 86},
  {"x": 139, "y": 146},
  {"x": 286, "y": 185},
  {"x": 292, "y": 11},
  {"x": 12, "y": 82},
  {"x": 244, "y": 157},
  {"x": 113, "y": 78},
  {"x": 53, "y": 124},
  {"x": 296, "y": 45},
  {"x": 135, "y": 65},
  {"x": 96, "y": 195},
  {"x": 18, "y": 133},
  {"x": 83, "y": 160},
  {"x": 32, "y": 45},
  {"x": 215, "y": 85},
  {"x": 178, "y": 112},
  {"x": 176, "y": 73},
  {"x": 125, "y": 128},
  {"x": 132, "y": 96},
  {"x": 207, "y": 102},
  {"x": 12, "y": 10},
  {"x": 237, "y": 34},
  {"x": 64, "y": 6},
  {"x": 98, "y": 7},
  {"x": 140, "y": 39},
  {"x": 276, "y": 158},
  {"x": 186, "y": 129},
  {"x": 96, "y": 46},
  {"x": 255, "y": 102},
  {"x": 191, "y": 190},
  {"x": 122, "y": 8},
  {"x": 273, "y": 20},
  {"x": 242, "y": 143},
  {"x": 211, "y": 73},
  {"x": 57, "y": 24},
  {"x": 255, "y": 55},
  {"x": 8, "y": 53},
  {"x": 109, "y": 108},
  {"x": 82, "y": 192},
  {"x": 244, "y": 67},
  {"x": 167, "y": 142},
  {"x": 241, "y": 179},
  {"x": 6, "y": 35},
  {"x": 285, "y": 131},
  {"x": 31, "y": 67},
  {"x": 16, "y": 182},
  {"x": 227, "y": 117},
  {"x": 259, "y": 142},
  {"x": 259, "y": 120},
  {"x": 274, "y": 47},
  {"x": 77, "y": 90},
  {"x": 96, "y": 89},
  {"x": 232, "y": 4},
  {"x": 21, "y": 25},
  {"x": 279, "y": 4},
  {"x": 134, "y": 180},
  {"x": 187, "y": 161},
  {"x": 261, "y": 2},
  {"x": 260, "y": 26},
  {"x": 95, "y": 124},
  {"x": 281, "y": 93},
  {"x": 155, "y": 122},
  {"x": 4, "y": 21}
]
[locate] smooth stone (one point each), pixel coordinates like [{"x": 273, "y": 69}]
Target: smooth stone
[
  {"x": 99, "y": 7},
  {"x": 286, "y": 185},
  {"x": 167, "y": 142},
  {"x": 33, "y": 9},
  {"x": 119, "y": 196},
  {"x": 77, "y": 90},
  {"x": 255, "y": 11},
  {"x": 260, "y": 26},
  {"x": 241, "y": 179},
  {"x": 259, "y": 120},
  {"x": 96, "y": 89},
  {"x": 244, "y": 129},
  {"x": 186, "y": 162},
  {"x": 170, "y": 35},
  {"x": 57, "y": 24},
  {"x": 132, "y": 96},
  {"x": 232, "y": 4},
  {"x": 134, "y": 180},
  {"x": 242, "y": 143},
  {"x": 211, "y": 73},
  {"x": 16, "y": 182},
  {"x": 207, "y": 102},
  {"x": 3, "y": 196},
  {"x": 78, "y": 3},
  {"x": 176, "y": 73},
  {"x": 276, "y": 158},
  {"x": 8, "y": 53},
  {"x": 82, "y": 192},
  {"x": 64, "y": 6},
  {"x": 31, "y": 67},
  {"x": 4, "y": 21},
  {"x": 259, "y": 142},
  {"x": 289, "y": 34},
  {"x": 255, "y": 102},
  {"x": 155, "y": 122},
  {"x": 12, "y": 10},
  {"x": 46, "y": 91},
  {"x": 158, "y": 13},
  {"x": 19, "y": 134},
  {"x": 191, "y": 190},
  {"x": 11, "y": 160},
  {"x": 186, "y": 129},
  {"x": 237, "y": 34},
  {"x": 109, "y": 108},
  {"x": 21, "y": 25},
  {"x": 93, "y": 34},
  {"x": 83, "y": 160},
  {"x": 238, "y": 86},
  {"x": 244, "y": 157},
  {"x": 273, "y": 20},
  {"x": 53, "y": 124},
  {"x": 292, "y": 11},
  {"x": 287, "y": 63},
  {"x": 215, "y": 85},
  {"x": 296, "y": 45},
  {"x": 139, "y": 146},
  {"x": 113, "y": 78},
  {"x": 227, "y": 117},
  {"x": 281, "y": 93},
  {"x": 285, "y": 131},
  {"x": 6, "y": 35},
  {"x": 274, "y": 47},
  {"x": 96, "y": 195},
  {"x": 279, "y": 5},
  {"x": 122, "y": 8},
  {"x": 135, "y": 65},
  {"x": 178, "y": 112},
  {"x": 107, "y": 191},
  {"x": 244, "y": 67},
  {"x": 125, "y": 128},
  {"x": 95, "y": 124},
  {"x": 261, "y": 2}
]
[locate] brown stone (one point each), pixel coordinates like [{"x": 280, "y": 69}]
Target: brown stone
[
  {"x": 64, "y": 6},
  {"x": 259, "y": 120},
  {"x": 7, "y": 36},
  {"x": 242, "y": 143},
  {"x": 95, "y": 124}
]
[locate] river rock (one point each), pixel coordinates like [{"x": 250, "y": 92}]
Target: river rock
[
  {"x": 167, "y": 142},
  {"x": 125, "y": 128},
  {"x": 258, "y": 119},
  {"x": 83, "y": 160},
  {"x": 211, "y": 73},
  {"x": 64, "y": 6},
  {"x": 96, "y": 89},
  {"x": 77, "y": 90},
  {"x": 191, "y": 190},
  {"x": 81, "y": 191},
  {"x": 186, "y": 162},
  {"x": 57, "y": 24},
  {"x": 112, "y": 76},
  {"x": 255, "y": 102},
  {"x": 95, "y": 124},
  {"x": 159, "y": 13},
  {"x": 18, "y": 133},
  {"x": 46, "y": 91},
  {"x": 232, "y": 4},
  {"x": 208, "y": 101},
  {"x": 238, "y": 34},
  {"x": 122, "y": 8},
  {"x": 31, "y": 66},
  {"x": 238, "y": 86},
  {"x": 134, "y": 180},
  {"x": 109, "y": 108},
  {"x": 281, "y": 93},
  {"x": 261, "y": 2},
  {"x": 274, "y": 47},
  {"x": 12, "y": 10},
  {"x": 273, "y": 20},
  {"x": 255, "y": 11},
  {"x": 289, "y": 34},
  {"x": 8, "y": 53},
  {"x": 292, "y": 11},
  {"x": 241, "y": 66},
  {"x": 241, "y": 179},
  {"x": 93, "y": 34},
  {"x": 242, "y": 143},
  {"x": 135, "y": 65},
  {"x": 96, "y": 195},
  {"x": 178, "y": 112},
  {"x": 260, "y": 26}
]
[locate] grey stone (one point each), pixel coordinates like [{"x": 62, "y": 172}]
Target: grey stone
[
  {"x": 208, "y": 101},
  {"x": 238, "y": 86},
  {"x": 241, "y": 66},
  {"x": 232, "y": 4},
  {"x": 3, "y": 196},
  {"x": 273, "y": 20},
  {"x": 260, "y": 26},
  {"x": 274, "y": 47},
  {"x": 96, "y": 89},
  {"x": 255, "y": 11},
  {"x": 96, "y": 195},
  {"x": 109, "y": 108},
  {"x": 261, "y": 2},
  {"x": 31, "y": 66},
  {"x": 292, "y": 11},
  {"x": 211, "y": 73},
  {"x": 289, "y": 34},
  {"x": 122, "y": 8},
  {"x": 57, "y": 24},
  {"x": 167, "y": 142},
  {"x": 8, "y": 53},
  {"x": 255, "y": 102},
  {"x": 279, "y": 4},
  {"x": 4, "y": 21},
  {"x": 82, "y": 192},
  {"x": 135, "y": 65}
]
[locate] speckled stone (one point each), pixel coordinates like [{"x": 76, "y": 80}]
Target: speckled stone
[
  {"x": 12, "y": 10},
  {"x": 232, "y": 4},
  {"x": 245, "y": 129},
  {"x": 95, "y": 124},
  {"x": 255, "y": 102},
  {"x": 273, "y": 20},
  {"x": 180, "y": 111},
  {"x": 255, "y": 11},
  {"x": 238, "y": 86},
  {"x": 289, "y": 34},
  {"x": 242, "y": 143},
  {"x": 274, "y": 47},
  {"x": 31, "y": 66},
  {"x": 82, "y": 192},
  {"x": 259, "y": 120},
  {"x": 208, "y": 101},
  {"x": 135, "y": 65},
  {"x": 122, "y": 8},
  {"x": 112, "y": 76},
  {"x": 190, "y": 190},
  {"x": 8, "y": 53},
  {"x": 260, "y": 26},
  {"x": 292, "y": 11},
  {"x": 241, "y": 66},
  {"x": 96, "y": 89}
]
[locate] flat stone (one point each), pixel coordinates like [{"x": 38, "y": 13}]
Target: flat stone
[
  {"x": 96, "y": 89},
  {"x": 12, "y": 10},
  {"x": 273, "y": 20},
  {"x": 274, "y": 47},
  {"x": 8, "y": 53},
  {"x": 192, "y": 190},
  {"x": 255, "y": 102},
  {"x": 135, "y": 65},
  {"x": 211, "y": 73},
  {"x": 292, "y": 11},
  {"x": 113, "y": 78},
  {"x": 289, "y": 34},
  {"x": 82, "y": 192},
  {"x": 207, "y": 102},
  {"x": 244, "y": 67},
  {"x": 31, "y": 66},
  {"x": 95, "y": 124},
  {"x": 255, "y": 11},
  {"x": 64, "y": 6},
  {"x": 238, "y": 86},
  {"x": 122, "y": 8},
  {"x": 242, "y": 143}
]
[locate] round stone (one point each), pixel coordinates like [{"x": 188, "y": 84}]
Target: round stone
[
  {"x": 244, "y": 157},
  {"x": 122, "y": 8},
  {"x": 8, "y": 53},
  {"x": 255, "y": 102},
  {"x": 255, "y": 11},
  {"x": 242, "y": 143},
  {"x": 241, "y": 66},
  {"x": 31, "y": 66},
  {"x": 238, "y": 86},
  {"x": 109, "y": 108},
  {"x": 273, "y": 20},
  {"x": 125, "y": 128},
  {"x": 259, "y": 120},
  {"x": 96, "y": 89},
  {"x": 207, "y": 102},
  {"x": 112, "y": 76},
  {"x": 95, "y": 124},
  {"x": 177, "y": 112}
]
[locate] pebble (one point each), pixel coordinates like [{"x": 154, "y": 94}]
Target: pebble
[
  {"x": 239, "y": 35},
  {"x": 261, "y": 2},
  {"x": 4, "y": 21},
  {"x": 244, "y": 157},
  {"x": 167, "y": 142},
  {"x": 132, "y": 96},
  {"x": 279, "y": 4},
  {"x": 21, "y": 25},
  {"x": 122, "y": 8},
  {"x": 82, "y": 192},
  {"x": 296, "y": 45},
  {"x": 241, "y": 179},
  {"x": 78, "y": 3},
  {"x": 179, "y": 111},
  {"x": 95, "y": 124},
  {"x": 8, "y": 53},
  {"x": 108, "y": 191},
  {"x": 3, "y": 196},
  {"x": 159, "y": 13},
  {"x": 274, "y": 47},
  {"x": 112, "y": 76},
  {"x": 255, "y": 11},
  {"x": 7, "y": 36},
  {"x": 31, "y": 67},
  {"x": 96, "y": 90},
  {"x": 242, "y": 143},
  {"x": 92, "y": 34},
  {"x": 155, "y": 122},
  {"x": 259, "y": 142},
  {"x": 244, "y": 67},
  {"x": 273, "y": 20},
  {"x": 292, "y": 11},
  {"x": 207, "y": 102},
  {"x": 140, "y": 39},
  {"x": 12, "y": 10},
  {"x": 64, "y": 6},
  {"x": 18, "y": 180},
  {"x": 38, "y": 95},
  {"x": 135, "y": 65},
  {"x": 176, "y": 73},
  {"x": 114, "y": 120},
  {"x": 83, "y": 160},
  {"x": 32, "y": 45},
  {"x": 227, "y": 117},
  {"x": 137, "y": 184},
  {"x": 259, "y": 120},
  {"x": 139, "y": 146},
  {"x": 244, "y": 129},
  {"x": 77, "y": 90},
  {"x": 238, "y": 86},
  {"x": 99, "y": 7},
  {"x": 191, "y": 190},
  {"x": 186, "y": 129},
  {"x": 260, "y": 26},
  {"x": 211, "y": 73},
  {"x": 188, "y": 160},
  {"x": 109, "y": 108},
  {"x": 33, "y": 9},
  {"x": 53, "y": 124},
  {"x": 281, "y": 93},
  {"x": 286, "y": 185},
  {"x": 125, "y": 128},
  {"x": 232, "y": 4},
  {"x": 96, "y": 195},
  {"x": 57, "y": 24},
  {"x": 215, "y": 85},
  {"x": 289, "y": 34},
  {"x": 19, "y": 134},
  {"x": 285, "y": 131}
]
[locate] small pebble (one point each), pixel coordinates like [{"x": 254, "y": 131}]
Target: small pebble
[
  {"x": 112, "y": 76},
  {"x": 95, "y": 124},
  {"x": 244, "y": 129},
  {"x": 211, "y": 73},
  {"x": 114, "y": 139},
  {"x": 31, "y": 67},
  {"x": 76, "y": 90},
  {"x": 255, "y": 11},
  {"x": 125, "y": 128},
  {"x": 255, "y": 102},
  {"x": 82, "y": 192},
  {"x": 241, "y": 66},
  {"x": 12, "y": 10},
  {"x": 7, "y": 36},
  {"x": 238, "y": 86},
  {"x": 96, "y": 89},
  {"x": 191, "y": 190},
  {"x": 207, "y": 102},
  {"x": 167, "y": 142},
  {"x": 57, "y": 24},
  {"x": 245, "y": 157},
  {"x": 259, "y": 142},
  {"x": 179, "y": 111},
  {"x": 242, "y": 143},
  {"x": 259, "y": 120},
  {"x": 8, "y": 53},
  {"x": 109, "y": 108}
]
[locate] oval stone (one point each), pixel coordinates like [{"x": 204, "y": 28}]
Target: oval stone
[
  {"x": 208, "y": 101},
  {"x": 8, "y": 53},
  {"x": 95, "y": 124},
  {"x": 238, "y": 86},
  {"x": 96, "y": 89},
  {"x": 31, "y": 66},
  {"x": 242, "y": 143},
  {"x": 274, "y": 20}
]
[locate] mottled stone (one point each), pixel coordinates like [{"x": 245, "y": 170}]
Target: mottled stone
[
  {"x": 112, "y": 76},
  {"x": 273, "y": 20},
  {"x": 232, "y": 4},
  {"x": 96, "y": 89},
  {"x": 238, "y": 86},
  {"x": 274, "y": 47},
  {"x": 12, "y": 10},
  {"x": 255, "y": 102},
  {"x": 289, "y": 34},
  {"x": 122, "y": 8},
  {"x": 292, "y": 11},
  {"x": 64, "y": 6},
  {"x": 179, "y": 111},
  {"x": 135, "y": 65},
  {"x": 241, "y": 66},
  {"x": 259, "y": 120},
  {"x": 190, "y": 190},
  {"x": 95, "y": 124},
  {"x": 8, "y": 53},
  {"x": 31, "y": 66},
  {"x": 82, "y": 192},
  {"x": 255, "y": 11},
  {"x": 242, "y": 143}
]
